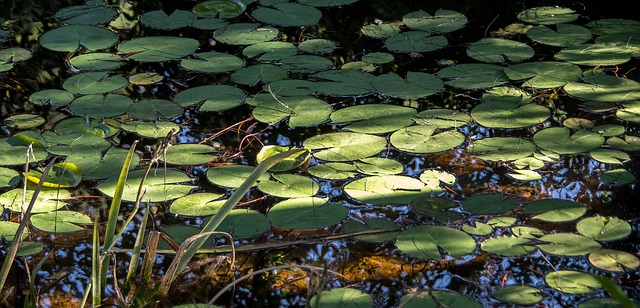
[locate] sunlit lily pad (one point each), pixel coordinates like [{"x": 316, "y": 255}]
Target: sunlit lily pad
[
  {"x": 108, "y": 165},
  {"x": 487, "y": 204},
  {"x": 609, "y": 156},
  {"x": 225, "y": 9},
  {"x": 343, "y": 83},
  {"x": 97, "y": 61},
  {"x": 477, "y": 228},
  {"x": 48, "y": 200},
  {"x": 372, "y": 224},
  {"x": 288, "y": 14},
  {"x": 374, "y": 118},
  {"x": 289, "y": 163},
  {"x": 508, "y": 246},
  {"x": 519, "y": 295},
  {"x": 245, "y": 34},
  {"x": 563, "y": 35},
  {"x": 9, "y": 56},
  {"x": 424, "y": 139},
  {"x": 14, "y": 151},
  {"x": 254, "y": 74},
  {"x": 158, "y": 48},
  {"x": 212, "y": 62},
  {"x": 270, "y": 51},
  {"x": 155, "y": 129},
  {"x": 70, "y": 38},
  {"x": 423, "y": 242},
  {"x": 573, "y": 282},
  {"x": 380, "y": 31},
  {"x": 548, "y": 15},
  {"x": 544, "y": 74},
  {"x": 341, "y": 297},
  {"x": 618, "y": 177},
  {"x": 444, "y": 21},
  {"x": 101, "y": 106},
  {"x": 531, "y": 163},
  {"x": 345, "y": 146},
  {"x": 525, "y": 175},
  {"x": 61, "y": 175},
  {"x": 301, "y": 110},
  {"x": 428, "y": 175},
  {"x": 231, "y": 176},
  {"x": 442, "y": 118},
  {"x": 53, "y": 97},
  {"x": 24, "y": 121},
  {"x": 290, "y": 87},
  {"x": 505, "y": 107},
  {"x": 379, "y": 166},
  {"x": 333, "y": 170},
  {"x": 154, "y": 109},
  {"x": 244, "y": 224},
  {"x": 289, "y": 186},
  {"x": 561, "y": 141},
  {"x": 76, "y": 143},
  {"x": 159, "y": 19},
  {"x": 159, "y": 186},
  {"x": 605, "y": 88},
  {"x": 306, "y": 213},
  {"x": 604, "y": 229},
  {"x": 388, "y": 189},
  {"x": 614, "y": 260},
  {"x": 94, "y": 83},
  {"x": 416, "y": 85},
  {"x": 8, "y": 177},
  {"x": 212, "y": 97},
  {"x": 498, "y": 50},
  {"x": 629, "y": 112},
  {"x": 189, "y": 154},
  {"x": 377, "y": 57},
  {"x": 595, "y": 54},
  {"x": 60, "y": 221},
  {"x": 556, "y": 210},
  {"x": 434, "y": 299},
  {"x": 527, "y": 232},
  {"x": 473, "y": 75},
  {"x": 502, "y": 148},
  {"x": 568, "y": 244},
  {"x": 415, "y": 41},
  {"x": 8, "y": 230}
]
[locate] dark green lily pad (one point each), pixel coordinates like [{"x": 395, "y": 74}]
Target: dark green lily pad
[
  {"x": 345, "y": 146},
  {"x": 506, "y": 107},
  {"x": 259, "y": 73},
  {"x": 629, "y": 143},
  {"x": 508, "y": 246},
  {"x": 374, "y": 118},
  {"x": 86, "y": 14},
  {"x": 548, "y": 15},
  {"x": 301, "y": 110},
  {"x": 473, "y": 75},
  {"x": 270, "y": 51},
  {"x": 388, "y": 189},
  {"x": 290, "y": 87},
  {"x": 53, "y": 97},
  {"x": 212, "y": 62},
  {"x": 14, "y": 151},
  {"x": 498, "y": 50},
  {"x": 231, "y": 176},
  {"x": 74, "y": 144},
  {"x": 519, "y": 295},
  {"x": 436, "y": 299},
  {"x": 341, "y": 297},
  {"x": 618, "y": 177},
  {"x": 48, "y": 200},
  {"x": 423, "y": 242},
  {"x": 189, "y": 154},
  {"x": 562, "y": 36},
  {"x": 604, "y": 88},
  {"x": 544, "y": 74},
  {"x": 378, "y": 58},
  {"x": 154, "y": 109},
  {"x": 380, "y": 31},
  {"x": 317, "y": 46},
  {"x": 416, "y": 85},
  {"x": 29, "y": 248},
  {"x": 94, "y": 83},
  {"x": 444, "y": 21},
  {"x": 568, "y": 244},
  {"x": 209, "y": 23},
  {"x": 488, "y": 204},
  {"x": 197, "y": 204},
  {"x": 573, "y": 282},
  {"x": 424, "y": 139},
  {"x": 333, "y": 171},
  {"x": 614, "y": 260},
  {"x": 613, "y": 25},
  {"x": 212, "y": 97},
  {"x": 159, "y": 186},
  {"x": 344, "y": 83},
  {"x": 555, "y": 210},
  {"x": 225, "y": 9},
  {"x": 436, "y": 208},
  {"x": 442, "y": 118},
  {"x": 60, "y": 221},
  {"x": 289, "y": 186},
  {"x": 307, "y": 213},
  {"x": 604, "y": 229},
  {"x": 245, "y": 34},
  {"x": 502, "y": 148},
  {"x": 109, "y": 164},
  {"x": 598, "y": 54},
  {"x": 561, "y": 141},
  {"x": 159, "y": 19},
  {"x": 372, "y": 224},
  {"x": 70, "y": 38},
  {"x": 155, "y": 129},
  {"x": 244, "y": 224},
  {"x": 305, "y": 64},
  {"x": 415, "y": 41},
  {"x": 99, "y": 106},
  {"x": 326, "y": 3},
  {"x": 288, "y": 14},
  {"x": 158, "y": 48},
  {"x": 97, "y": 61}
]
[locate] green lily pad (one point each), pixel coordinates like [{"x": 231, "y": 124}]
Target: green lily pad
[
  {"x": 231, "y": 176},
  {"x": 562, "y": 36},
  {"x": 604, "y": 229},
  {"x": 374, "y": 118},
  {"x": 109, "y": 164},
  {"x": 53, "y": 97},
  {"x": 488, "y": 204},
  {"x": 424, "y": 139},
  {"x": 573, "y": 282},
  {"x": 436, "y": 208},
  {"x": 245, "y": 34},
  {"x": 97, "y": 61},
  {"x": 12, "y": 55},
  {"x": 333, "y": 171},
  {"x": 159, "y": 19},
  {"x": 155, "y": 129},
  {"x": 597, "y": 54},
  {"x": 555, "y": 210},
  {"x": 270, "y": 51},
  {"x": 568, "y": 244},
  {"x": 24, "y": 121},
  {"x": 442, "y": 118},
  {"x": 415, "y": 41},
  {"x": 94, "y": 83},
  {"x": 416, "y": 85},
  {"x": 380, "y": 31},
  {"x": 428, "y": 175},
  {"x": 212, "y": 97},
  {"x": 209, "y": 23},
  {"x": 8, "y": 177},
  {"x": 519, "y": 295},
  {"x": 548, "y": 15},
  {"x": 158, "y": 48},
  {"x": 290, "y": 87},
  {"x": 189, "y": 154},
  {"x": 502, "y": 148},
  {"x": 63, "y": 175},
  {"x": 159, "y": 186},
  {"x": 436, "y": 299},
  {"x": 244, "y": 224},
  {"x": 379, "y": 166},
  {"x": 301, "y": 110},
  {"x": 525, "y": 175},
  {"x": 505, "y": 107},
  {"x": 377, "y": 58},
  {"x": 604, "y": 88},
  {"x": 212, "y": 62},
  {"x": 225, "y": 9},
  {"x": 498, "y": 50},
  {"x": 614, "y": 260},
  {"x": 609, "y": 156},
  {"x": 473, "y": 76},
  {"x": 343, "y": 83},
  {"x": 60, "y": 221},
  {"x": 560, "y": 140},
  {"x": 288, "y": 14},
  {"x": 526, "y": 232},
  {"x": 48, "y": 200},
  {"x": 610, "y": 130},
  {"x": 289, "y": 163},
  {"x": 289, "y": 186},
  {"x": 259, "y": 73},
  {"x": 477, "y": 228},
  {"x": 86, "y": 14},
  {"x": 423, "y": 242},
  {"x": 502, "y": 222},
  {"x": 153, "y": 109},
  {"x": 508, "y": 246},
  {"x": 326, "y": 3},
  {"x": 14, "y": 151},
  {"x": 306, "y": 213},
  {"x": 305, "y": 64},
  {"x": 544, "y": 74},
  {"x": 99, "y": 106},
  {"x": 531, "y": 163},
  {"x": 29, "y": 248},
  {"x": 388, "y": 189},
  {"x": 618, "y": 177},
  {"x": 341, "y": 297},
  {"x": 8, "y": 230},
  {"x": 74, "y": 144},
  {"x": 444, "y": 21},
  {"x": 317, "y": 46},
  {"x": 70, "y": 38},
  {"x": 145, "y": 79},
  {"x": 344, "y": 146},
  {"x": 372, "y": 224},
  {"x": 613, "y": 25}
]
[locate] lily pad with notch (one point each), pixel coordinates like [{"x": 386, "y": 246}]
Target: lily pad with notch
[
  {"x": 317, "y": 46},
  {"x": 212, "y": 97},
  {"x": 158, "y": 48},
  {"x": 232, "y": 176},
  {"x": 224, "y": 9},
  {"x": 70, "y": 38},
  {"x": 416, "y": 85},
  {"x": 8, "y": 178},
  {"x": 374, "y": 118},
  {"x": 48, "y": 200},
  {"x": 415, "y": 41},
  {"x": 305, "y": 64},
  {"x": 344, "y": 146},
  {"x": 189, "y": 154},
  {"x": 499, "y": 50},
  {"x": 442, "y": 22},
  {"x": 519, "y": 295},
  {"x": 159, "y": 19},
  {"x": 506, "y": 107},
  {"x": 343, "y": 83},
  {"x": 308, "y": 213},
  {"x": 502, "y": 148},
  {"x": 154, "y": 109},
  {"x": 568, "y": 244},
  {"x": 85, "y": 14},
  {"x": 23, "y": 121},
  {"x": 562, "y": 36},
  {"x": 159, "y": 186},
  {"x": 595, "y": 54},
  {"x": 548, "y": 15},
  {"x": 424, "y": 242},
  {"x": 154, "y": 129},
  {"x": 61, "y": 175},
  {"x": 473, "y": 76},
  {"x": 244, "y": 224},
  {"x": 301, "y": 110},
  {"x": 614, "y": 260},
  {"x": 99, "y": 106},
  {"x": 212, "y": 62},
  {"x": 289, "y": 163},
  {"x": 618, "y": 177},
  {"x": 488, "y": 204},
  {"x": 573, "y": 282},
  {"x": 508, "y": 246},
  {"x": 604, "y": 88},
  {"x": 8, "y": 230},
  {"x": 544, "y": 74},
  {"x": 109, "y": 164},
  {"x": 289, "y": 186},
  {"x": 437, "y": 208},
  {"x": 561, "y": 141},
  {"x": 388, "y": 229},
  {"x": 555, "y": 210},
  {"x": 425, "y": 139},
  {"x": 388, "y": 189},
  {"x": 259, "y": 73},
  {"x": 378, "y": 166},
  {"x": 604, "y": 229},
  {"x": 333, "y": 170},
  {"x": 94, "y": 83},
  {"x": 197, "y": 204},
  {"x": 14, "y": 150},
  {"x": 97, "y": 61},
  {"x": 442, "y": 118},
  {"x": 380, "y": 31},
  {"x": 245, "y": 34},
  {"x": 288, "y": 14},
  {"x": 270, "y": 51},
  {"x": 60, "y": 221},
  {"x": 53, "y": 97},
  {"x": 609, "y": 156}
]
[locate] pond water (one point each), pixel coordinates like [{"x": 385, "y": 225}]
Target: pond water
[{"x": 457, "y": 152}]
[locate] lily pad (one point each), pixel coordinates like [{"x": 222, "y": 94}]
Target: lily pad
[
  {"x": 425, "y": 139},
  {"x": 519, "y": 295},
  {"x": 488, "y": 204},
  {"x": 473, "y": 76},
  {"x": 525, "y": 175},
  {"x": 109, "y": 164},
  {"x": 97, "y": 61},
  {"x": 301, "y": 110},
  {"x": 416, "y": 85},
  {"x": 155, "y": 129},
  {"x": 379, "y": 166},
  {"x": 94, "y": 83},
  {"x": 70, "y": 38},
  {"x": 442, "y": 118},
  {"x": 159, "y": 19},
  {"x": 614, "y": 260},
  {"x": 317, "y": 46},
  {"x": 326, "y": 3},
  {"x": 212, "y": 97},
  {"x": 556, "y": 210},
  {"x": 259, "y": 73},
  {"x": 372, "y": 224},
  {"x": 498, "y": 50},
  {"x": 388, "y": 189},
  {"x": 189, "y": 154},
  {"x": 604, "y": 88},
  {"x": 61, "y": 175},
  {"x": 289, "y": 163},
  {"x": 212, "y": 62},
  {"x": 604, "y": 229},
  {"x": 146, "y": 78},
  {"x": 341, "y": 297},
  {"x": 618, "y": 177},
  {"x": 305, "y": 64},
  {"x": 244, "y": 224},
  {"x": 374, "y": 118},
  {"x": 158, "y": 48},
  {"x": 86, "y": 14},
  {"x": 225, "y": 9},
  {"x": 307, "y": 213},
  {"x": 609, "y": 156},
  {"x": 548, "y": 15},
  {"x": 231, "y": 176},
  {"x": 8, "y": 177},
  {"x": 24, "y": 121},
  {"x": 53, "y": 97},
  {"x": 598, "y": 54},
  {"x": 60, "y": 221},
  {"x": 48, "y": 200},
  {"x": 345, "y": 146},
  {"x": 508, "y": 246},
  {"x": 436, "y": 208},
  {"x": 99, "y": 106},
  {"x": 505, "y": 107},
  {"x": 573, "y": 282},
  {"x": 14, "y": 151},
  {"x": 245, "y": 34},
  {"x": 423, "y": 242},
  {"x": 154, "y": 109},
  {"x": 415, "y": 41},
  {"x": 380, "y": 31},
  {"x": 343, "y": 83},
  {"x": 560, "y": 140},
  {"x": 502, "y": 148},
  {"x": 568, "y": 244},
  {"x": 159, "y": 186},
  {"x": 562, "y": 36},
  {"x": 288, "y": 14},
  {"x": 333, "y": 170},
  {"x": 289, "y": 186},
  {"x": 270, "y": 51},
  {"x": 436, "y": 299},
  {"x": 544, "y": 74},
  {"x": 444, "y": 21},
  {"x": 477, "y": 228}
]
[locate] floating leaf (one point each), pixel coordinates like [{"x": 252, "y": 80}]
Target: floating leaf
[
  {"x": 29, "y": 248},
  {"x": 519, "y": 295},
  {"x": 378, "y": 58},
  {"x": 508, "y": 108},
  {"x": 618, "y": 177},
  {"x": 326, "y": 3},
  {"x": 244, "y": 224},
  {"x": 145, "y": 79},
  {"x": 341, "y": 297},
  {"x": 86, "y": 14},
  {"x": 508, "y": 246},
  {"x": 604, "y": 88},
  {"x": 288, "y": 14},
  {"x": 153, "y": 109},
  {"x": 345, "y": 146},
  {"x": 270, "y": 51},
  {"x": 560, "y": 140},
  {"x": 344, "y": 83},
  {"x": 548, "y": 15},
  {"x": 305, "y": 64},
  {"x": 609, "y": 156},
  {"x": 97, "y": 61},
  {"x": 498, "y": 50},
  {"x": 225, "y": 9},
  {"x": 379, "y": 166},
  {"x": 245, "y": 34},
  {"x": 374, "y": 118},
  {"x": 333, "y": 171},
  {"x": 573, "y": 282},
  {"x": 442, "y": 118},
  {"x": 159, "y": 186},
  {"x": 159, "y": 19},
  {"x": 301, "y": 110},
  {"x": 529, "y": 162},
  {"x": 502, "y": 148},
  {"x": 70, "y": 38},
  {"x": 416, "y": 85},
  {"x": 473, "y": 76},
  {"x": 568, "y": 244},
  {"x": 604, "y": 229},
  {"x": 380, "y": 31},
  {"x": 372, "y": 224},
  {"x": 289, "y": 163},
  {"x": 155, "y": 129},
  {"x": 556, "y": 210},
  {"x": 388, "y": 189},
  {"x": 478, "y": 228},
  {"x": 231, "y": 176},
  {"x": 189, "y": 154},
  {"x": 61, "y": 175},
  {"x": 212, "y": 62},
  {"x": 8, "y": 230},
  {"x": 544, "y": 74},
  {"x": 436, "y": 299},
  {"x": 14, "y": 151},
  {"x": 595, "y": 54},
  {"x": 562, "y": 36},
  {"x": 8, "y": 177},
  {"x": 197, "y": 204},
  {"x": 60, "y": 221},
  {"x": 526, "y": 232},
  {"x": 629, "y": 143},
  {"x": 48, "y": 200},
  {"x": 444, "y": 21},
  {"x": 254, "y": 74},
  {"x": 423, "y": 242},
  {"x": 289, "y": 186},
  {"x": 614, "y": 260},
  {"x": 424, "y": 139},
  {"x": 525, "y": 175},
  {"x": 158, "y": 48},
  {"x": 317, "y": 46},
  {"x": 415, "y": 41},
  {"x": 94, "y": 83},
  {"x": 53, "y": 97},
  {"x": 441, "y": 176},
  {"x": 487, "y": 204},
  {"x": 24, "y": 121},
  {"x": 99, "y": 106},
  {"x": 436, "y": 208},
  {"x": 105, "y": 167},
  {"x": 306, "y": 213},
  {"x": 212, "y": 97}
]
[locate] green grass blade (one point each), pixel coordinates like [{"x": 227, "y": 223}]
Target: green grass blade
[{"x": 96, "y": 277}]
